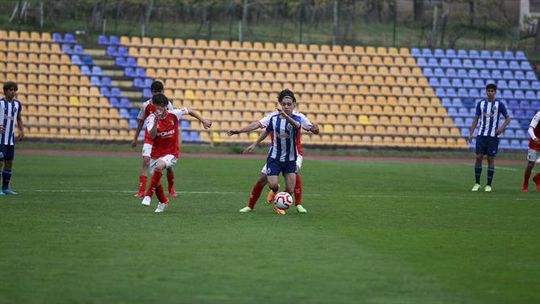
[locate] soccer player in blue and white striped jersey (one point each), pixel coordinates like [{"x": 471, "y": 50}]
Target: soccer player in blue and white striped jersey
[
  {"x": 10, "y": 117},
  {"x": 488, "y": 111}
]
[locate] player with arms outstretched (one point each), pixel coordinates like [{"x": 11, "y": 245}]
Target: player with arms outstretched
[{"x": 162, "y": 126}]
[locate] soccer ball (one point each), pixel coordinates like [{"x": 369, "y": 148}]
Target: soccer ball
[{"x": 283, "y": 200}]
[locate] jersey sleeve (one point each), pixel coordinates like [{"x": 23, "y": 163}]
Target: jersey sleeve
[
  {"x": 2, "y": 109},
  {"x": 304, "y": 122},
  {"x": 150, "y": 120},
  {"x": 503, "y": 109},
  {"x": 269, "y": 126},
  {"x": 478, "y": 110},
  {"x": 170, "y": 106},
  {"x": 142, "y": 111},
  {"x": 535, "y": 120},
  {"x": 266, "y": 120},
  {"x": 179, "y": 112}
]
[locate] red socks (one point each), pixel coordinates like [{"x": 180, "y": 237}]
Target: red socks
[
  {"x": 154, "y": 182},
  {"x": 298, "y": 191},
  {"x": 526, "y": 177},
  {"x": 170, "y": 180},
  {"x": 161, "y": 194},
  {"x": 142, "y": 183},
  {"x": 255, "y": 194}
]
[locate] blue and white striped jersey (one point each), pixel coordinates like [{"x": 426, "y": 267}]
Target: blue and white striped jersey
[
  {"x": 488, "y": 115},
  {"x": 8, "y": 115},
  {"x": 283, "y": 146}
]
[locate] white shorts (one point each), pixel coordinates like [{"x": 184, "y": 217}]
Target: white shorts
[
  {"x": 299, "y": 160},
  {"x": 532, "y": 155},
  {"x": 168, "y": 159},
  {"x": 146, "y": 150}
]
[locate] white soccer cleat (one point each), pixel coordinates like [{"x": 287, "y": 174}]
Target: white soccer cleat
[
  {"x": 146, "y": 201},
  {"x": 245, "y": 209},
  {"x": 476, "y": 187},
  {"x": 160, "y": 207}
]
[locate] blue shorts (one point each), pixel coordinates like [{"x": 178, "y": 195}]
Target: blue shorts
[
  {"x": 487, "y": 145},
  {"x": 275, "y": 167},
  {"x": 7, "y": 152}
]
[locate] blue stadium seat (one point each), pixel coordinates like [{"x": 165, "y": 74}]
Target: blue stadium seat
[
  {"x": 129, "y": 72},
  {"x": 445, "y": 82},
  {"x": 479, "y": 84},
  {"x": 509, "y": 133},
  {"x": 513, "y": 84},
  {"x": 452, "y": 112},
  {"x": 105, "y": 91},
  {"x": 87, "y": 60},
  {"x": 416, "y": 52},
  {"x": 474, "y": 93},
  {"x": 530, "y": 75},
  {"x": 124, "y": 103},
  {"x": 438, "y": 53},
  {"x": 69, "y": 38},
  {"x": 474, "y": 54},
  {"x": 115, "y": 92},
  {"x": 456, "y": 102},
  {"x": 525, "y": 65},
  {"x": 66, "y": 49},
  {"x": 96, "y": 70},
  {"x": 496, "y": 74},
  {"x": 78, "y": 49},
  {"x": 535, "y": 85},
  {"x": 467, "y": 63},
  {"x": 445, "y": 63},
  {"x": 450, "y": 53},
  {"x": 535, "y": 104},
  {"x": 131, "y": 61},
  {"x": 520, "y": 133},
  {"x": 524, "y": 84},
  {"x": 85, "y": 70},
  {"x": 124, "y": 113},
  {"x": 421, "y": 62},
  {"x": 502, "y": 84},
  {"x": 57, "y": 37},
  {"x": 440, "y": 92},
  {"x": 524, "y": 104},
  {"x": 538, "y": 95},
  {"x": 462, "y": 92},
  {"x": 426, "y": 52},
  {"x": 518, "y": 94},
  {"x": 502, "y": 65},
  {"x": 490, "y": 64},
  {"x": 432, "y": 62},
  {"x": 462, "y": 54},
  {"x": 513, "y": 104},
  {"x": 122, "y": 51},
  {"x": 508, "y": 55},
  {"x": 468, "y": 83},
  {"x": 140, "y": 72},
  {"x": 473, "y": 73},
  {"x": 133, "y": 124},
  {"x": 114, "y": 102},
  {"x": 464, "y": 132},
  {"x": 508, "y": 74},
  {"x": 507, "y": 94},
  {"x": 146, "y": 93},
  {"x": 439, "y": 72},
  {"x": 520, "y": 55},
  {"x": 95, "y": 81},
  {"x": 462, "y": 73},
  {"x": 530, "y": 95},
  {"x": 514, "y": 65},
  {"x": 451, "y": 72},
  {"x": 75, "y": 59},
  {"x": 428, "y": 72},
  {"x": 138, "y": 83},
  {"x": 469, "y": 102},
  {"x": 519, "y": 75},
  {"x": 111, "y": 51},
  {"x": 148, "y": 82},
  {"x": 504, "y": 143},
  {"x": 456, "y": 63},
  {"x": 459, "y": 122},
  {"x": 468, "y": 122},
  {"x": 186, "y": 136},
  {"x": 103, "y": 40},
  {"x": 113, "y": 40},
  {"x": 451, "y": 92},
  {"x": 456, "y": 82},
  {"x": 446, "y": 102},
  {"x": 497, "y": 55},
  {"x": 485, "y": 74},
  {"x": 479, "y": 64},
  {"x": 185, "y": 124},
  {"x": 434, "y": 82},
  {"x": 485, "y": 54},
  {"x": 120, "y": 61},
  {"x": 106, "y": 81}
]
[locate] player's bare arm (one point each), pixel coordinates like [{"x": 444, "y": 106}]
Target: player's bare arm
[
  {"x": 471, "y": 130},
  {"x": 254, "y": 145},
  {"x": 251, "y": 127},
  {"x": 314, "y": 129},
  {"x": 206, "y": 123},
  {"x": 140, "y": 124},
  {"x": 153, "y": 131},
  {"x": 293, "y": 122},
  {"x": 506, "y": 122},
  {"x": 20, "y": 125}
]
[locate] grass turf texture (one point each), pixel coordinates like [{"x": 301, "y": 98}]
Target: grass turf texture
[{"x": 375, "y": 233}]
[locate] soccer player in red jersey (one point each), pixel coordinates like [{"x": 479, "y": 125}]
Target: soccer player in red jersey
[
  {"x": 263, "y": 178},
  {"x": 146, "y": 109},
  {"x": 533, "y": 153},
  {"x": 162, "y": 126}
]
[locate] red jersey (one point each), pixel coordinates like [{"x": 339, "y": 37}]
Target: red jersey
[
  {"x": 536, "y": 129},
  {"x": 145, "y": 110},
  {"x": 166, "y": 140}
]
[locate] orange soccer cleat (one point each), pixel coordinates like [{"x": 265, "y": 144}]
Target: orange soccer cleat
[
  {"x": 278, "y": 211},
  {"x": 270, "y": 197}
]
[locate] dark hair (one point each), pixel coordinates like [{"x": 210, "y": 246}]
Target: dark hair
[
  {"x": 160, "y": 100},
  {"x": 10, "y": 85},
  {"x": 286, "y": 93},
  {"x": 157, "y": 86},
  {"x": 491, "y": 86}
]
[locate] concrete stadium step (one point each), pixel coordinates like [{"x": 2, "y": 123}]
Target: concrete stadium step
[
  {"x": 113, "y": 73},
  {"x": 95, "y": 52},
  {"x": 104, "y": 62}
]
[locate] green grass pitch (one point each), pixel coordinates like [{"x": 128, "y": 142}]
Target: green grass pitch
[{"x": 375, "y": 233}]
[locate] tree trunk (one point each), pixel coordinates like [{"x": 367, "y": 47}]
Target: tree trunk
[{"x": 418, "y": 8}]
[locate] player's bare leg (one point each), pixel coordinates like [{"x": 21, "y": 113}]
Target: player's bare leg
[{"x": 274, "y": 186}]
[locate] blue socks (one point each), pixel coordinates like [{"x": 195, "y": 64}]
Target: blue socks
[
  {"x": 491, "y": 172},
  {"x": 477, "y": 173},
  {"x": 6, "y": 177}
]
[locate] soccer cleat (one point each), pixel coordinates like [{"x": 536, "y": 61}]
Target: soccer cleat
[
  {"x": 537, "y": 183},
  {"x": 146, "y": 201},
  {"x": 487, "y": 188},
  {"x": 525, "y": 188},
  {"x": 161, "y": 207},
  {"x": 270, "y": 197},
  {"x": 2, "y": 193},
  {"x": 476, "y": 187},
  {"x": 301, "y": 209},
  {"x": 245, "y": 210},
  {"x": 139, "y": 194},
  {"x": 278, "y": 211},
  {"x": 9, "y": 192}
]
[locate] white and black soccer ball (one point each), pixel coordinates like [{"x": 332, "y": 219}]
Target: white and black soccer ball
[{"x": 283, "y": 200}]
